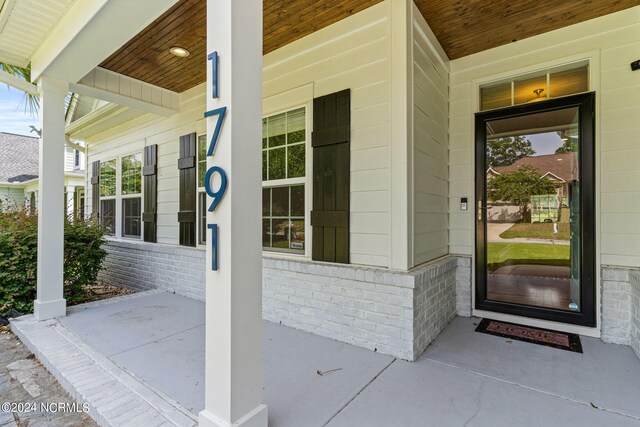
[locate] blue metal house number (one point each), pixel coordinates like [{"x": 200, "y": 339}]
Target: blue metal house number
[{"x": 218, "y": 194}]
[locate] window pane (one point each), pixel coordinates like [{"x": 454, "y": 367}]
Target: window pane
[
  {"x": 264, "y": 133},
  {"x": 495, "y": 96},
  {"x": 297, "y": 200},
  {"x": 280, "y": 201},
  {"x": 569, "y": 82},
  {"x": 108, "y": 178},
  {"x": 266, "y": 202},
  {"x": 277, "y": 164},
  {"x": 295, "y": 126},
  {"x": 202, "y": 159},
  {"x": 297, "y": 234},
  {"x": 202, "y": 208},
  {"x": 276, "y": 130},
  {"x": 108, "y": 216},
  {"x": 132, "y": 174},
  {"x": 280, "y": 233},
  {"x": 131, "y": 210},
  {"x": 266, "y": 233},
  {"x": 265, "y": 155},
  {"x": 528, "y": 89},
  {"x": 295, "y": 161}
]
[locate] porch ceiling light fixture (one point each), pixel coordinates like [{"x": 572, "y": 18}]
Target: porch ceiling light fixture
[
  {"x": 539, "y": 96},
  {"x": 180, "y": 52}
]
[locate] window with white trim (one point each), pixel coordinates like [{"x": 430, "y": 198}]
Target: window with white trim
[
  {"x": 131, "y": 193},
  {"x": 284, "y": 154},
  {"x": 121, "y": 185},
  {"x": 108, "y": 196}
]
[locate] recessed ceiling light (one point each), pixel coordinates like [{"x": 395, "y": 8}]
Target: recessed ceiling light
[{"x": 180, "y": 52}]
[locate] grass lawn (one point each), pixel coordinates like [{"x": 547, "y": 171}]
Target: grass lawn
[
  {"x": 542, "y": 230},
  {"x": 501, "y": 254}
]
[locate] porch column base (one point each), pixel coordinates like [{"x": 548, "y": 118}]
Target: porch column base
[
  {"x": 45, "y": 310},
  {"x": 256, "y": 418}
]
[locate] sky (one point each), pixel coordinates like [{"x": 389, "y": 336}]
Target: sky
[
  {"x": 545, "y": 143},
  {"x": 13, "y": 117}
]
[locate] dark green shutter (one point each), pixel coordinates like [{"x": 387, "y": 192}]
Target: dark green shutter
[
  {"x": 150, "y": 174},
  {"x": 331, "y": 158},
  {"x": 95, "y": 189},
  {"x": 187, "y": 167}
]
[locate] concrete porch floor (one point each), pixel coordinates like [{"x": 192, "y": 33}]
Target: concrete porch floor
[{"x": 139, "y": 360}]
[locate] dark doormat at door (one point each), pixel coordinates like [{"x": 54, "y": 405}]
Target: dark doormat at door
[{"x": 562, "y": 340}]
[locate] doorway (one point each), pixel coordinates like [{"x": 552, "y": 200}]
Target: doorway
[{"x": 535, "y": 213}]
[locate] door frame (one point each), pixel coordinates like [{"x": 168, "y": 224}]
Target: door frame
[{"x": 587, "y": 172}]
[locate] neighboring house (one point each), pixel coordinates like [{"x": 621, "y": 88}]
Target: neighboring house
[
  {"x": 19, "y": 174},
  {"x": 561, "y": 169}
]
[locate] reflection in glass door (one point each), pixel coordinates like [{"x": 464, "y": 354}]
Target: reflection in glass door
[{"x": 535, "y": 165}]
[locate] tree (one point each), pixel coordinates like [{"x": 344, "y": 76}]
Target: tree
[
  {"x": 518, "y": 186},
  {"x": 506, "y": 151},
  {"x": 569, "y": 146}
]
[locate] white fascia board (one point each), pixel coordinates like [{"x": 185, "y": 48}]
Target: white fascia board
[
  {"x": 93, "y": 118},
  {"x": 129, "y": 92},
  {"x": 90, "y": 32},
  {"x": 18, "y": 83},
  {"x": 14, "y": 184}
]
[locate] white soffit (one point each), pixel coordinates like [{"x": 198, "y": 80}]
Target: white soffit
[{"x": 25, "y": 24}]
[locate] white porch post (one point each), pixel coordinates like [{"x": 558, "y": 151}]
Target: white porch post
[
  {"x": 50, "y": 301},
  {"x": 71, "y": 197},
  {"x": 233, "y": 372}
]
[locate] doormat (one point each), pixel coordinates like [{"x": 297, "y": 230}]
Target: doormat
[{"x": 562, "y": 340}]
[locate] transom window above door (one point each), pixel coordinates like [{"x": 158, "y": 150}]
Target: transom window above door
[{"x": 537, "y": 86}]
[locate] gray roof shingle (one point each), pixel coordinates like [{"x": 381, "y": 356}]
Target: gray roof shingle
[{"x": 18, "y": 157}]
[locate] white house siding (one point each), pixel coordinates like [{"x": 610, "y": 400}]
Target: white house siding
[
  {"x": 352, "y": 53},
  {"x": 612, "y": 43},
  {"x": 134, "y": 135},
  {"x": 430, "y": 144}
]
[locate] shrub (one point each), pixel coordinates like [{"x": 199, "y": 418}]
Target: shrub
[{"x": 83, "y": 258}]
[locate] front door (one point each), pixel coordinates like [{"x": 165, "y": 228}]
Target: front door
[{"x": 535, "y": 218}]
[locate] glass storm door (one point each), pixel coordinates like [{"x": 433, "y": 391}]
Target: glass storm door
[{"x": 535, "y": 219}]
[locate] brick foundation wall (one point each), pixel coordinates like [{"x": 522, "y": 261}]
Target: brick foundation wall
[
  {"x": 142, "y": 266},
  {"x": 616, "y": 305},
  {"x": 434, "y": 301},
  {"x": 463, "y": 287},
  {"x": 393, "y": 312}
]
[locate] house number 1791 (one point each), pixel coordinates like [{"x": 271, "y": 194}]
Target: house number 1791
[{"x": 215, "y": 194}]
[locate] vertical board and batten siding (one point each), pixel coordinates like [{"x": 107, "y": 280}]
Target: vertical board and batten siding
[
  {"x": 351, "y": 54},
  {"x": 146, "y": 130},
  {"x": 430, "y": 145},
  {"x": 613, "y": 42}
]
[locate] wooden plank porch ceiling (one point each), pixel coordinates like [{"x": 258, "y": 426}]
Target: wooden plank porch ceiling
[{"x": 463, "y": 27}]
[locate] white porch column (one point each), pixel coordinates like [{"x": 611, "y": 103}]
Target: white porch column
[
  {"x": 71, "y": 197},
  {"x": 50, "y": 302},
  {"x": 233, "y": 373}
]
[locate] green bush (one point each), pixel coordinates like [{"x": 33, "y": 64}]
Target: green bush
[{"x": 83, "y": 258}]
